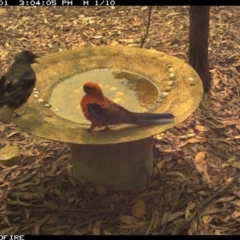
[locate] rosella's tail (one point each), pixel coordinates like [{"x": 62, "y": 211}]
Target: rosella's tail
[{"x": 149, "y": 118}]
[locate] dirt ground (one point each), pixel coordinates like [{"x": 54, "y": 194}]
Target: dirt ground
[{"x": 195, "y": 189}]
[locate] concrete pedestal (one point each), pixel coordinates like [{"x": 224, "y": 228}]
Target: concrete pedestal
[{"x": 119, "y": 167}]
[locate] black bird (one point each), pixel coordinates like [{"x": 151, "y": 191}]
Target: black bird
[{"x": 17, "y": 85}]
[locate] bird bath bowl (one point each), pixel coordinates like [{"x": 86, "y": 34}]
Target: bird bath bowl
[{"x": 121, "y": 158}]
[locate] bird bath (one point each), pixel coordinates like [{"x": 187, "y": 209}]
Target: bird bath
[{"x": 121, "y": 158}]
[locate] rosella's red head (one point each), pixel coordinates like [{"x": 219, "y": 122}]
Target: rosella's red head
[{"x": 91, "y": 88}]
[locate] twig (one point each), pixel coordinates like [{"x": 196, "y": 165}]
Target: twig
[
  {"x": 174, "y": 204},
  {"x": 151, "y": 223},
  {"x": 224, "y": 33},
  {"x": 26, "y": 195},
  {"x": 143, "y": 38},
  {"x": 231, "y": 34},
  {"x": 185, "y": 224}
]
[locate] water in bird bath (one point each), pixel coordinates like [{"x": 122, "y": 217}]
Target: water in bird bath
[{"x": 130, "y": 90}]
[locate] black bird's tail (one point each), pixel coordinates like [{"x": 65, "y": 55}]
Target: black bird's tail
[{"x": 6, "y": 114}]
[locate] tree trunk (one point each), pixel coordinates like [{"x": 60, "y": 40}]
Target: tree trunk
[{"x": 198, "y": 43}]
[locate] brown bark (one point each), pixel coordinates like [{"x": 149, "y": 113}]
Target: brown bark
[{"x": 198, "y": 43}]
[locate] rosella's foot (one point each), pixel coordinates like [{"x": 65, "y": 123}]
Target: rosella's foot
[{"x": 105, "y": 129}]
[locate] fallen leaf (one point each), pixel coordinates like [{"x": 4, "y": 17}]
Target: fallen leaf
[
  {"x": 225, "y": 199},
  {"x": 97, "y": 37},
  {"x": 206, "y": 219},
  {"x": 206, "y": 177},
  {"x": 226, "y": 219},
  {"x": 39, "y": 223},
  {"x": 167, "y": 157},
  {"x": 168, "y": 218},
  {"x": 126, "y": 40},
  {"x": 144, "y": 8},
  {"x": 137, "y": 225},
  {"x": 202, "y": 128},
  {"x": 157, "y": 168},
  {"x": 236, "y": 203},
  {"x": 217, "y": 232},
  {"x": 127, "y": 219},
  {"x": 114, "y": 43},
  {"x": 194, "y": 140},
  {"x": 235, "y": 164},
  {"x": 5, "y": 218},
  {"x": 236, "y": 192},
  {"x": 211, "y": 211},
  {"x": 235, "y": 214},
  {"x": 45, "y": 20},
  {"x": 9, "y": 230},
  {"x": 76, "y": 232},
  {"x": 101, "y": 190},
  {"x": 96, "y": 227},
  {"x": 199, "y": 157},
  {"x": 139, "y": 208},
  {"x": 190, "y": 206},
  {"x": 107, "y": 232}
]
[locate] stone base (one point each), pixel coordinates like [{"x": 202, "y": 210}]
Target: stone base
[{"x": 119, "y": 167}]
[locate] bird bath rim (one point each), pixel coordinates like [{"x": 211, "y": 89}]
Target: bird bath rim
[{"x": 182, "y": 99}]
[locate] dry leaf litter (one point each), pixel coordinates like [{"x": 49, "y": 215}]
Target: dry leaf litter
[{"x": 195, "y": 189}]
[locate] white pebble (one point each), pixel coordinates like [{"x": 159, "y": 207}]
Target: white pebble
[
  {"x": 40, "y": 100},
  {"x": 171, "y": 70},
  {"x": 171, "y": 75},
  {"x": 118, "y": 100},
  {"x": 36, "y": 92},
  {"x": 77, "y": 91},
  {"x": 170, "y": 83},
  {"x": 35, "y": 89},
  {"x": 192, "y": 82},
  {"x": 159, "y": 136},
  {"x": 119, "y": 94},
  {"x": 113, "y": 88},
  {"x": 47, "y": 105},
  {"x": 167, "y": 89},
  {"x": 56, "y": 109},
  {"x": 164, "y": 94},
  {"x": 36, "y": 95}
]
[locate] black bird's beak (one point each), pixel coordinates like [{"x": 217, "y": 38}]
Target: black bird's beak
[{"x": 36, "y": 56}]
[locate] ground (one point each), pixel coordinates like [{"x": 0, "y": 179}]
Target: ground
[{"x": 195, "y": 187}]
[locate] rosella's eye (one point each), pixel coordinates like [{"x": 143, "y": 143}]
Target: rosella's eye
[{"x": 85, "y": 89}]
